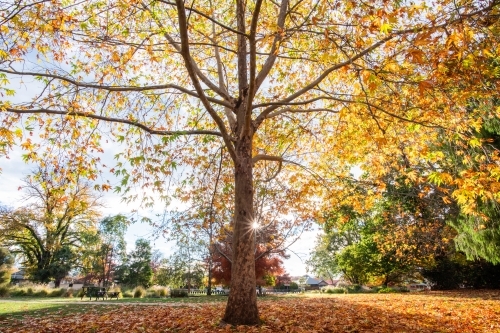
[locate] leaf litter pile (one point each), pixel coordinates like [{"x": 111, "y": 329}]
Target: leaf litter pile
[{"x": 471, "y": 311}]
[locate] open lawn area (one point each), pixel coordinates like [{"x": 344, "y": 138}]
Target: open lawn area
[{"x": 464, "y": 311}]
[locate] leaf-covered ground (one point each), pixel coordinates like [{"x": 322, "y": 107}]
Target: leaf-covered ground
[{"x": 424, "y": 312}]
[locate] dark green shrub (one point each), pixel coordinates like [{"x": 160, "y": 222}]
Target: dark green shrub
[
  {"x": 387, "y": 290},
  {"x": 4, "y": 291},
  {"x": 354, "y": 289},
  {"x": 336, "y": 291},
  {"x": 455, "y": 272}
]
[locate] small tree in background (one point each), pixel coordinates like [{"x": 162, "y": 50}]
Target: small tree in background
[
  {"x": 112, "y": 250},
  {"x": 139, "y": 271}
]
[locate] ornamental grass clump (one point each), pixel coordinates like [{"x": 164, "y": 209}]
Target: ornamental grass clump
[{"x": 139, "y": 292}]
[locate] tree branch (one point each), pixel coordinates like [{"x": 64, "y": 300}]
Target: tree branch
[
  {"x": 208, "y": 18},
  {"x": 273, "y": 54},
  {"x": 116, "y": 88},
  {"x": 190, "y": 68},
  {"x": 222, "y": 253},
  {"x": 253, "y": 69},
  {"x": 292, "y": 110},
  {"x": 115, "y": 120},
  {"x": 320, "y": 78},
  {"x": 278, "y": 159},
  {"x": 192, "y": 63},
  {"x": 228, "y": 111}
]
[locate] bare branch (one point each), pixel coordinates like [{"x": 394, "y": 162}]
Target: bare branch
[
  {"x": 263, "y": 157},
  {"x": 266, "y": 68},
  {"x": 253, "y": 69},
  {"x": 292, "y": 110},
  {"x": 222, "y": 253},
  {"x": 116, "y": 88},
  {"x": 208, "y": 18},
  {"x": 192, "y": 63},
  {"x": 115, "y": 120},
  {"x": 192, "y": 73}
]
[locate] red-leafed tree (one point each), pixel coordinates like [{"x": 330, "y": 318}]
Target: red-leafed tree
[
  {"x": 267, "y": 263},
  {"x": 284, "y": 279}
]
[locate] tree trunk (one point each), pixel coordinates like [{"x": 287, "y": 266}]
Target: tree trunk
[
  {"x": 209, "y": 284},
  {"x": 241, "y": 308},
  {"x": 57, "y": 283}
]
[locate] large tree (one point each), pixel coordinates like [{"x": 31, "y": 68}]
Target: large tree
[
  {"x": 303, "y": 87},
  {"x": 52, "y": 230}
]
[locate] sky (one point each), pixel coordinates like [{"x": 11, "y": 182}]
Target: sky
[{"x": 14, "y": 169}]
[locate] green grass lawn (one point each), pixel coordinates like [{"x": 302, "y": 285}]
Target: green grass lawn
[{"x": 18, "y": 307}]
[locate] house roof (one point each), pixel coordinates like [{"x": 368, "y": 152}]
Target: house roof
[
  {"x": 312, "y": 281},
  {"x": 18, "y": 275}
]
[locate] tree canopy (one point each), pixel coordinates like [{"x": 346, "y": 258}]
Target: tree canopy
[
  {"x": 296, "y": 93},
  {"x": 49, "y": 231}
]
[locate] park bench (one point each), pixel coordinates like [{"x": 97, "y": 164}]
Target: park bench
[{"x": 98, "y": 292}]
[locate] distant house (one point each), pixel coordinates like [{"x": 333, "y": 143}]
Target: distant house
[
  {"x": 312, "y": 283},
  {"x": 19, "y": 276}
]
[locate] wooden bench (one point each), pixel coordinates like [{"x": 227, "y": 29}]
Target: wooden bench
[{"x": 96, "y": 292}]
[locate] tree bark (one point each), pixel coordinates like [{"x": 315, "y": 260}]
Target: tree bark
[
  {"x": 241, "y": 308},
  {"x": 57, "y": 283}
]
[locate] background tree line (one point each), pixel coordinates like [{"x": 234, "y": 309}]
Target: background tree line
[
  {"x": 60, "y": 233},
  {"x": 415, "y": 228}
]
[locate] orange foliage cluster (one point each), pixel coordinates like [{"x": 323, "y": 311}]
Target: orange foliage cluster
[{"x": 471, "y": 311}]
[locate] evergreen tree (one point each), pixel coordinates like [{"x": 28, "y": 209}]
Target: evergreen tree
[{"x": 140, "y": 272}]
